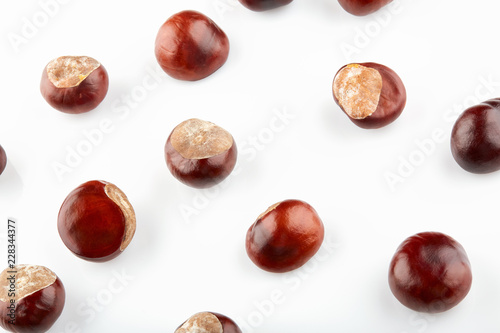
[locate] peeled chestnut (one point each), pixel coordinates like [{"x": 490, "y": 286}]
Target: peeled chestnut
[
  {"x": 31, "y": 298},
  {"x": 74, "y": 84},
  {"x": 285, "y": 236},
  {"x": 208, "y": 322},
  {"x": 430, "y": 272},
  {"x": 3, "y": 160},
  {"x": 370, "y": 94},
  {"x": 475, "y": 139},
  {"x": 190, "y": 46},
  {"x": 363, "y": 7},
  {"x": 200, "y": 154},
  {"x": 96, "y": 221},
  {"x": 262, "y": 5}
]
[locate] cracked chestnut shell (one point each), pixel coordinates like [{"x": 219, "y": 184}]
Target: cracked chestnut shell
[
  {"x": 39, "y": 299},
  {"x": 190, "y": 46},
  {"x": 475, "y": 138},
  {"x": 430, "y": 272},
  {"x": 3, "y": 159},
  {"x": 370, "y": 94},
  {"x": 200, "y": 154},
  {"x": 208, "y": 322},
  {"x": 74, "y": 84},
  {"x": 363, "y": 7},
  {"x": 263, "y": 5},
  {"x": 285, "y": 236},
  {"x": 96, "y": 221}
]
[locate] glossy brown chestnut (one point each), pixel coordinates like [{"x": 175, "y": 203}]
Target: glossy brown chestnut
[
  {"x": 262, "y": 5},
  {"x": 74, "y": 84},
  {"x": 475, "y": 139},
  {"x": 31, "y": 299},
  {"x": 370, "y": 94},
  {"x": 200, "y": 154},
  {"x": 190, "y": 46},
  {"x": 430, "y": 272},
  {"x": 96, "y": 221},
  {"x": 208, "y": 322},
  {"x": 285, "y": 236},
  {"x": 363, "y": 7},
  {"x": 3, "y": 160}
]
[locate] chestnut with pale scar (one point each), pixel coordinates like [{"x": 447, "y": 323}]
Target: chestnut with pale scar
[{"x": 208, "y": 322}]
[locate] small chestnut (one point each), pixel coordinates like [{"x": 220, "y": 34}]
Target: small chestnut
[
  {"x": 96, "y": 221},
  {"x": 190, "y": 46},
  {"x": 370, "y": 94},
  {"x": 363, "y": 7},
  {"x": 74, "y": 84},
  {"x": 430, "y": 272},
  {"x": 285, "y": 236},
  {"x": 208, "y": 322},
  {"x": 262, "y": 5},
  {"x": 475, "y": 139},
  {"x": 3, "y": 159},
  {"x": 199, "y": 153},
  {"x": 31, "y": 298}
]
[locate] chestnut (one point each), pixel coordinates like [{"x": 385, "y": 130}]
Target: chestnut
[
  {"x": 285, "y": 236},
  {"x": 475, "y": 138},
  {"x": 31, "y": 298},
  {"x": 363, "y": 7},
  {"x": 430, "y": 272},
  {"x": 208, "y": 322},
  {"x": 74, "y": 84},
  {"x": 262, "y": 5},
  {"x": 96, "y": 221},
  {"x": 3, "y": 159},
  {"x": 199, "y": 153},
  {"x": 190, "y": 46},
  {"x": 370, "y": 94}
]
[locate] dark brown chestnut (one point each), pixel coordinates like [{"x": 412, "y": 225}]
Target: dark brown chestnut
[
  {"x": 475, "y": 138},
  {"x": 3, "y": 159},
  {"x": 208, "y": 322},
  {"x": 200, "y": 154},
  {"x": 190, "y": 46},
  {"x": 74, "y": 84},
  {"x": 370, "y": 94},
  {"x": 262, "y": 5},
  {"x": 31, "y": 299},
  {"x": 285, "y": 236},
  {"x": 430, "y": 272},
  {"x": 96, "y": 221},
  {"x": 363, "y": 7}
]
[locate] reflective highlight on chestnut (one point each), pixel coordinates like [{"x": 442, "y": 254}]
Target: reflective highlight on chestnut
[
  {"x": 430, "y": 272},
  {"x": 363, "y": 7},
  {"x": 74, "y": 84},
  {"x": 475, "y": 138},
  {"x": 285, "y": 236},
  {"x": 263, "y": 5},
  {"x": 208, "y": 322},
  {"x": 3, "y": 159},
  {"x": 190, "y": 46},
  {"x": 96, "y": 221},
  {"x": 38, "y": 301}
]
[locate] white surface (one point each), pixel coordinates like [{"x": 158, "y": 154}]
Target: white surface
[{"x": 282, "y": 61}]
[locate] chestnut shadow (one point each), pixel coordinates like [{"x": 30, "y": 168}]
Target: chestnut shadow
[{"x": 11, "y": 184}]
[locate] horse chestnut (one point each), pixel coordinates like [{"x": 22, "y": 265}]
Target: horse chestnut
[
  {"x": 262, "y": 5},
  {"x": 208, "y": 322},
  {"x": 430, "y": 272},
  {"x": 372, "y": 95},
  {"x": 363, "y": 7},
  {"x": 190, "y": 46},
  {"x": 74, "y": 84},
  {"x": 3, "y": 160},
  {"x": 96, "y": 221}
]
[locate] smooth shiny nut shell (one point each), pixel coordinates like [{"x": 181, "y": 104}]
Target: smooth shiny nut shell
[
  {"x": 3, "y": 160},
  {"x": 363, "y": 7}
]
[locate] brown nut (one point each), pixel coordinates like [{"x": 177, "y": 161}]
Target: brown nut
[
  {"x": 208, "y": 322},
  {"x": 74, "y": 84},
  {"x": 263, "y": 5},
  {"x": 3, "y": 160},
  {"x": 363, "y": 7},
  {"x": 199, "y": 153},
  {"x": 370, "y": 94},
  {"x": 31, "y": 300}
]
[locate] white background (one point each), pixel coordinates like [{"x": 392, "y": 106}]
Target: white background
[{"x": 446, "y": 52}]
